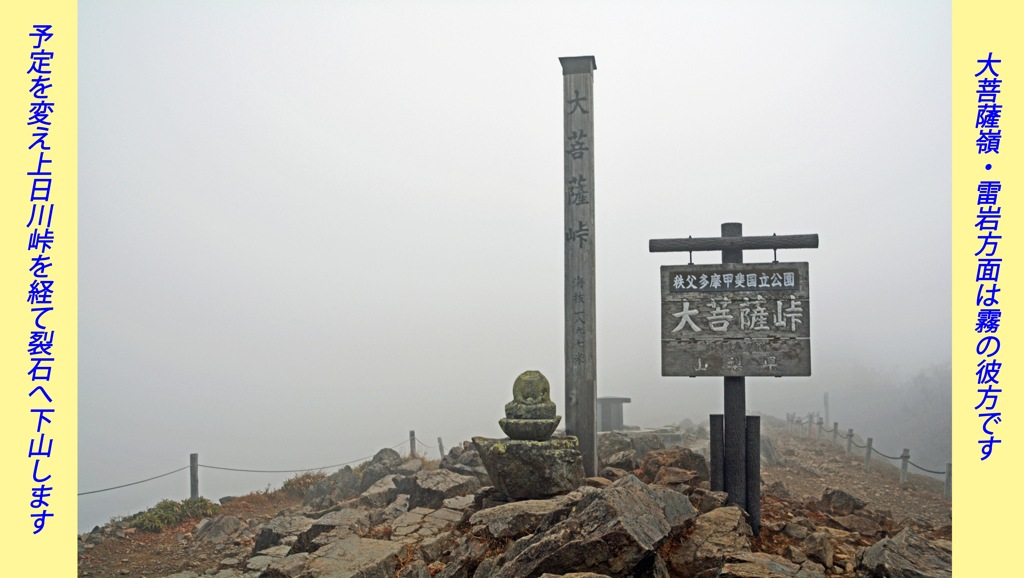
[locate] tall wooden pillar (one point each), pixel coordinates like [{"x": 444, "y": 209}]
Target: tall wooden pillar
[
  {"x": 735, "y": 406},
  {"x": 580, "y": 309}
]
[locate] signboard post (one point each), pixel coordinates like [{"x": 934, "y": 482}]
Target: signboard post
[
  {"x": 580, "y": 309},
  {"x": 734, "y": 320}
]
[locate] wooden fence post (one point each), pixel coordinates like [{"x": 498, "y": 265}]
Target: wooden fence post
[
  {"x": 867, "y": 457},
  {"x": 835, "y": 433},
  {"x": 440, "y": 447},
  {"x": 810, "y": 424},
  {"x": 905, "y": 457},
  {"x": 193, "y": 464},
  {"x": 412, "y": 443},
  {"x": 947, "y": 492},
  {"x": 849, "y": 441},
  {"x": 820, "y": 421}
]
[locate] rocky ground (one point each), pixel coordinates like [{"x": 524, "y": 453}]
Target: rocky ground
[{"x": 649, "y": 514}]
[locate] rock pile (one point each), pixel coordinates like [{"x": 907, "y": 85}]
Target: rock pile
[{"x": 413, "y": 523}]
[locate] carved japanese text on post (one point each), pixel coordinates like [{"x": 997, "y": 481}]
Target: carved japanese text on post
[{"x": 735, "y": 320}]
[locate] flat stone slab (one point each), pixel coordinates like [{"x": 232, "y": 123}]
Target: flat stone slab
[
  {"x": 517, "y": 518},
  {"x": 429, "y": 489},
  {"x": 423, "y": 523},
  {"x": 528, "y": 470},
  {"x": 355, "y": 556}
]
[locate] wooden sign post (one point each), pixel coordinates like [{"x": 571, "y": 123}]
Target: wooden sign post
[
  {"x": 735, "y": 320},
  {"x": 580, "y": 310}
]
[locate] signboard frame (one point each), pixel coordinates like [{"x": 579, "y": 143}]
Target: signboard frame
[{"x": 711, "y": 328}]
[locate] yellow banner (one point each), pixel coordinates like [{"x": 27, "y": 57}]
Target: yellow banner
[
  {"x": 988, "y": 83},
  {"x": 38, "y": 286}
]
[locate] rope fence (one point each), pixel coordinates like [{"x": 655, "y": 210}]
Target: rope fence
[
  {"x": 195, "y": 465},
  {"x": 133, "y": 483},
  {"x": 794, "y": 422}
]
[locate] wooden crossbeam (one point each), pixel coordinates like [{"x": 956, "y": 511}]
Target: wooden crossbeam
[{"x": 741, "y": 243}]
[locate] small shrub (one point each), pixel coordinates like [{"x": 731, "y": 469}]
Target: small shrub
[
  {"x": 169, "y": 513},
  {"x": 299, "y": 484}
]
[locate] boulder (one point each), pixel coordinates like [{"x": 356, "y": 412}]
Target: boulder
[
  {"x": 818, "y": 548},
  {"x": 795, "y": 531},
  {"x": 677, "y": 508},
  {"x": 625, "y": 460},
  {"x": 219, "y": 529},
  {"x": 429, "y": 489},
  {"x": 478, "y": 472},
  {"x": 339, "y": 486},
  {"x": 380, "y": 494},
  {"x": 840, "y": 502},
  {"x": 778, "y": 491},
  {"x": 674, "y": 477},
  {"x": 397, "y": 507},
  {"x": 415, "y": 569},
  {"x": 905, "y": 555},
  {"x": 645, "y": 443},
  {"x": 516, "y": 519},
  {"x": 460, "y": 502},
  {"x": 706, "y": 500},
  {"x": 466, "y": 462},
  {"x": 527, "y": 469},
  {"x": 409, "y": 468},
  {"x": 608, "y": 532},
  {"x": 388, "y": 458},
  {"x": 334, "y": 525},
  {"x": 612, "y": 443},
  {"x": 764, "y": 565},
  {"x": 465, "y": 557},
  {"x": 853, "y": 523},
  {"x": 613, "y": 473},
  {"x": 716, "y": 534},
  {"x": 287, "y": 567},
  {"x": 682, "y": 458},
  {"x": 355, "y": 556},
  {"x": 272, "y": 533},
  {"x": 371, "y": 474},
  {"x": 768, "y": 454}
]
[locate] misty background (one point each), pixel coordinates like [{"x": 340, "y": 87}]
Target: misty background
[{"x": 307, "y": 228}]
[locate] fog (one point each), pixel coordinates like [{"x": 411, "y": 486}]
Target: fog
[{"x": 309, "y": 228}]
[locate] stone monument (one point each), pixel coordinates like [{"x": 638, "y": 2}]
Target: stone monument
[{"x": 530, "y": 464}]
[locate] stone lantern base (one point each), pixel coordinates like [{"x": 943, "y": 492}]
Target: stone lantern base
[{"x": 528, "y": 469}]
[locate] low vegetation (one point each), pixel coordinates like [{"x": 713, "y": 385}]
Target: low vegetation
[{"x": 170, "y": 513}]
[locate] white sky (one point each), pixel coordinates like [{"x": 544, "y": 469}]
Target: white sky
[{"x": 308, "y": 228}]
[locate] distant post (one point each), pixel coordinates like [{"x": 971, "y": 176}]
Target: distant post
[
  {"x": 947, "y": 490},
  {"x": 904, "y": 457},
  {"x": 412, "y": 443},
  {"x": 440, "y": 447},
  {"x": 580, "y": 309},
  {"x": 193, "y": 465},
  {"x": 826, "y": 407}
]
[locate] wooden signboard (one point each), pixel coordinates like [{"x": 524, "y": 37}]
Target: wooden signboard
[{"x": 735, "y": 319}]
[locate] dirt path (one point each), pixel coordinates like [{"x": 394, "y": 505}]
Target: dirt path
[
  {"x": 917, "y": 501},
  {"x": 148, "y": 554}
]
